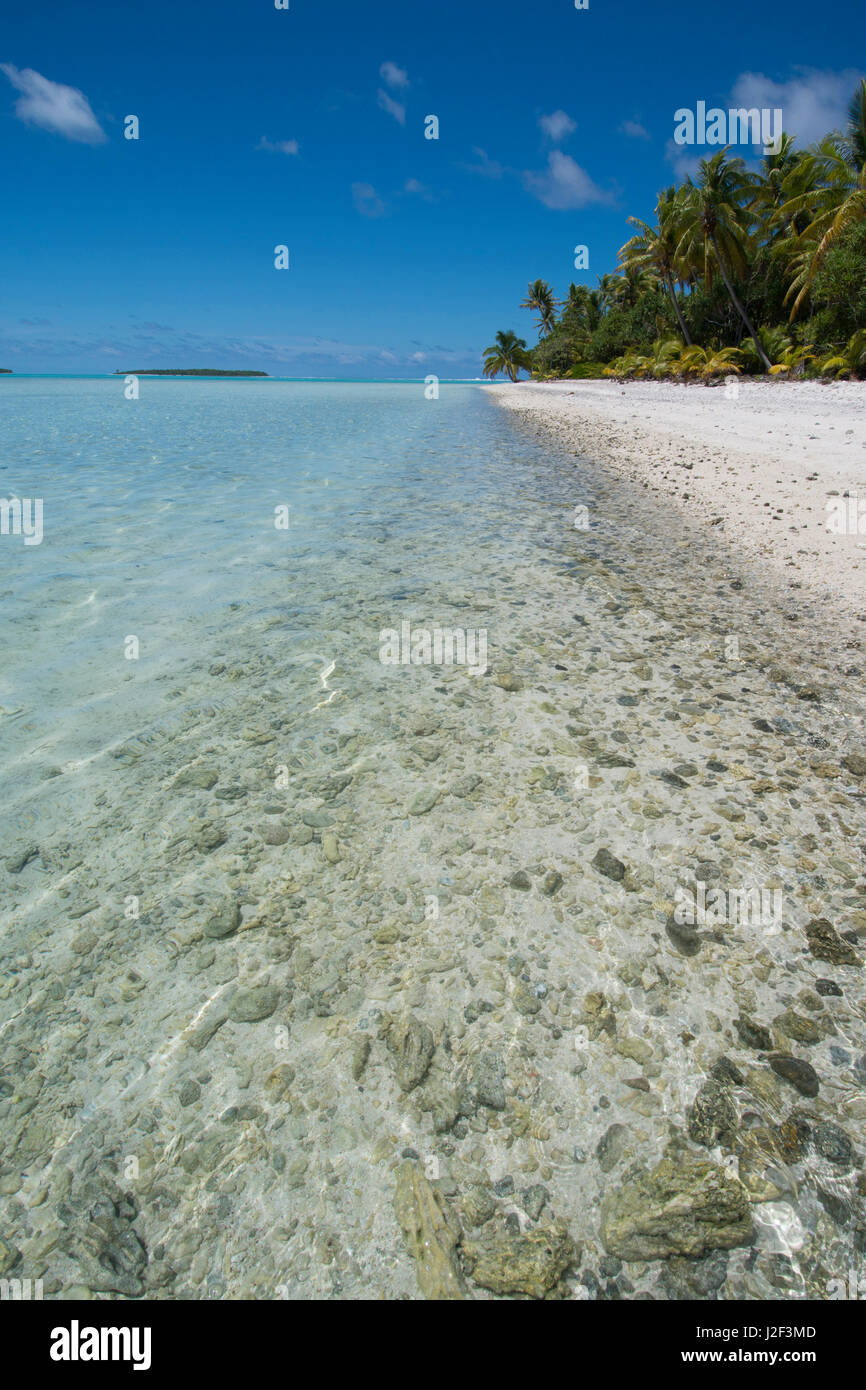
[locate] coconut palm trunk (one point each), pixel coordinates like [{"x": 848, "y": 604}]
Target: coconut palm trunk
[
  {"x": 750, "y": 328},
  {"x": 669, "y": 284}
]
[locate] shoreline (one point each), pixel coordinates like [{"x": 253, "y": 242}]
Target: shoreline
[{"x": 755, "y": 471}]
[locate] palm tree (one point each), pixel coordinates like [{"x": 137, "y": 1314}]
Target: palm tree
[
  {"x": 834, "y": 200},
  {"x": 707, "y": 362},
  {"x": 607, "y": 293},
  {"x": 780, "y": 170},
  {"x": 851, "y": 361},
  {"x": 508, "y": 354},
  {"x": 582, "y": 309},
  {"x": 631, "y": 283},
  {"x": 716, "y": 228},
  {"x": 656, "y": 247},
  {"x": 853, "y": 139},
  {"x": 539, "y": 296}
]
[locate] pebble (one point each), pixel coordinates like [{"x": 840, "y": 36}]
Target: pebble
[
  {"x": 832, "y": 1142},
  {"x": 799, "y": 1073},
  {"x": 507, "y": 681},
  {"x": 826, "y": 944},
  {"x": 331, "y": 849},
  {"x": 224, "y": 921},
  {"x": 254, "y": 1004},
  {"x": 608, "y": 864}
]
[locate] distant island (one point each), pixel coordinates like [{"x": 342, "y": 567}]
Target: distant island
[
  {"x": 185, "y": 371},
  {"x": 5, "y": 371}
]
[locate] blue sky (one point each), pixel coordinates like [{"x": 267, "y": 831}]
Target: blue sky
[{"x": 305, "y": 127}]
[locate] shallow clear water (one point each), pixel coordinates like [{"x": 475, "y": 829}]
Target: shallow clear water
[
  {"x": 259, "y": 768},
  {"x": 159, "y": 515}
]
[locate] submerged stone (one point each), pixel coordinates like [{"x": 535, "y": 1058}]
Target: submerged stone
[
  {"x": 798, "y": 1073},
  {"x": 753, "y": 1035},
  {"x": 431, "y": 1232},
  {"x": 529, "y": 1263},
  {"x": 411, "y": 1044},
  {"x": 611, "y": 1147},
  {"x": 609, "y": 865},
  {"x": 682, "y": 1207},
  {"x": 487, "y": 1075},
  {"x": 683, "y": 937},
  {"x": 253, "y": 1004},
  {"x": 506, "y": 680},
  {"x": 713, "y": 1117},
  {"x": 832, "y": 1142},
  {"x": 224, "y": 921},
  {"x": 201, "y": 778},
  {"x": 826, "y": 944},
  {"x": 796, "y": 1027}
]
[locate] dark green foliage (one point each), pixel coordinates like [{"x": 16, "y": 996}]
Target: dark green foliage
[
  {"x": 555, "y": 354},
  {"x": 586, "y": 371},
  {"x": 839, "y": 292},
  {"x": 764, "y": 295},
  {"x": 712, "y": 319},
  {"x": 621, "y": 328}
]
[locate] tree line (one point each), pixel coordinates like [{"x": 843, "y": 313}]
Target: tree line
[{"x": 756, "y": 271}]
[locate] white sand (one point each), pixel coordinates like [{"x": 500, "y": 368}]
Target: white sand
[{"x": 757, "y": 467}]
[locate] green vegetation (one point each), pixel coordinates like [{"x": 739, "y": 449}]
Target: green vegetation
[
  {"x": 508, "y": 354},
  {"x": 739, "y": 272}
]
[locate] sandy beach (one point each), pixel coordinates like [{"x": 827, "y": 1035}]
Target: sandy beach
[{"x": 757, "y": 467}]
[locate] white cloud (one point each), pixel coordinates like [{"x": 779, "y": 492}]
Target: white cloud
[
  {"x": 278, "y": 147},
  {"x": 813, "y": 103},
  {"x": 393, "y": 76},
  {"x": 394, "y": 108},
  {"x": 685, "y": 165},
  {"x": 487, "y": 168},
  {"x": 420, "y": 189},
  {"x": 557, "y": 125},
  {"x": 52, "y": 106},
  {"x": 367, "y": 201},
  {"x": 563, "y": 184},
  {"x": 635, "y": 130}
]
